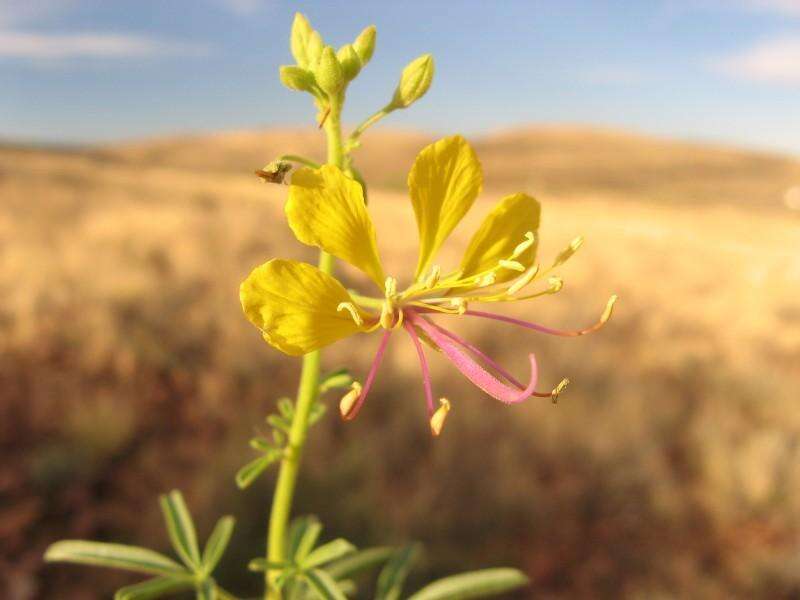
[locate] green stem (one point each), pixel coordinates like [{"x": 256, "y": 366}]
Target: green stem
[
  {"x": 369, "y": 121},
  {"x": 298, "y": 159},
  {"x": 306, "y": 396}
]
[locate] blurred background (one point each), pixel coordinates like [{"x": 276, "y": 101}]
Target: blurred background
[{"x": 666, "y": 132}]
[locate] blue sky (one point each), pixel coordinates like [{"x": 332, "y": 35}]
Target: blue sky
[{"x": 719, "y": 70}]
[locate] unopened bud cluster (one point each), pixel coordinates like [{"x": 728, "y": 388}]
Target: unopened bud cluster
[
  {"x": 325, "y": 72},
  {"x": 321, "y": 70}
]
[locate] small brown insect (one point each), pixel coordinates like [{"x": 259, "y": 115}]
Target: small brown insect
[{"x": 274, "y": 172}]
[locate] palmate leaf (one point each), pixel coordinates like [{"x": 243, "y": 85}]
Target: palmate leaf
[
  {"x": 324, "y": 585},
  {"x": 118, "y": 556},
  {"x": 181, "y": 528},
  {"x": 217, "y": 542},
  {"x": 359, "y": 562},
  {"x": 154, "y": 588},
  {"x": 475, "y": 584},
  {"x": 327, "y": 552},
  {"x": 393, "y": 575}
]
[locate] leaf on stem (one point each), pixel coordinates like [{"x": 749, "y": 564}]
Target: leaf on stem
[
  {"x": 217, "y": 542},
  {"x": 181, "y": 528},
  {"x": 304, "y": 539},
  {"x": 328, "y": 552},
  {"x": 474, "y": 584},
  {"x": 154, "y": 588},
  {"x": 359, "y": 562},
  {"x": 324, "y": 585},
  {"x": 117, "y": 556},
  {"x": 393, "y": 575},
  {"x": 250, "y": 472}
]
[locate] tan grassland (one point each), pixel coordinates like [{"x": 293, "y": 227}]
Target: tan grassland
[{"x": 670, "y": 467}]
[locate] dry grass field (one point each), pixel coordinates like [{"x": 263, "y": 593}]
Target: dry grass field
[{"x": 669, "y": 469}]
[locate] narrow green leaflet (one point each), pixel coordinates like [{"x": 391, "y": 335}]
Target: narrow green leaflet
[
  {"x": 303, "y": 534},
  {"x": 207, "y": 590},
  {"x": 328, "y": 552},
  {"x": 180, "y": 528},
  {"x": 217, "y": 542},
  {"x": 116, "y": 556},
  {"x": 154, "y": 588},
  {"x": 393, "y": 575},
  {"x": 341, "y": 378},
  {"x": 475, "y": 584},
  {"x": 323, "y": 585},
  {"x": 250, "y": 472},
  {"x": 359, "y": 562}
]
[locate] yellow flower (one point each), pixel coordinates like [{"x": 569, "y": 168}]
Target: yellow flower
[{"x": 299, "y": 309}]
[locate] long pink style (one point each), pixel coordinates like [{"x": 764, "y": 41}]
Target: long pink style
[
  {"x": 470, "y": 368},
  {"x": 423, "y": 364},
  {"x": 373, "y": 371}
]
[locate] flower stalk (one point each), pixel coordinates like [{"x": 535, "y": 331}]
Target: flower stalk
[{"x": 306, "y": 396}]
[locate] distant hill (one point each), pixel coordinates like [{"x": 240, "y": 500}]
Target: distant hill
[{"x": 553, "y": 161}]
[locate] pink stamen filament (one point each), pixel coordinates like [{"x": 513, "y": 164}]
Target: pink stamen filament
[
  {"x": 471, "y": 369},
  {"x": 536, "y": 326},
  {"x": 423, "y": 363},
  {"x": 373, "y": 371},
  {"x": 489, "y": 361}
]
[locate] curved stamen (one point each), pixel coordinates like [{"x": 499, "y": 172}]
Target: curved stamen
[
  {"x": 373, "y": 370},
  {"x": 549, "y": 330},
  {"x": 423, "y": 364},
  {"x": 471, "y": 369},
  {"x": 351, "y": 308},
  {"x": 499, "y": 368}
]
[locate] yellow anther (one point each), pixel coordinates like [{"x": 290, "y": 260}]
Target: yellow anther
[
  {"x": 609, "y": 309},
  {"x": 512, "y": 265},
  {"x": 487, "y": 280},
  {"x": 433, "y": 277},
  {"x": 351, "y": 308},
  {"x": 556, "y": 283},
  {"x": 522, "y": 246},
  {"x": 567, "y": 252},
  {"x": 558, "y": 389},
  {"x": 524, "y": 280},
  {"x": 460, "y": 304},
  {"x": 348, "y": 401},
  {"x": 390, "y": 287},
  {"x": 438, "y": 418}
]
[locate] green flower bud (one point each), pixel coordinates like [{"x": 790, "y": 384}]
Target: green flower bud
[
  {"x": 329, "y": 74},
  {"x": 297, "y": 78},
  {"x": 301, "y": 32},
  {"x": 314, "y": 49},
  {"x": 351, "y": 63},
  {"x": 365, "y": 44},
  {"x": 414, "y": 81}
]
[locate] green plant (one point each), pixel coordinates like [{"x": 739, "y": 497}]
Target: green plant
[{"x": 300, "y": 308}]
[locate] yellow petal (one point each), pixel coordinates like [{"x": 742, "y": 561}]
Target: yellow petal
[
  {"x": 444, "y": 182},
  {"x": 500, "y": 234},
  {"x": 326, "y": 209},
  {"x": 295, "y": 305}
]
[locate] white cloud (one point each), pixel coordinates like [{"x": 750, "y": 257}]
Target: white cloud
[
  {"x": 47, "y": 46},
  {"x": 770, "y": 61}
]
